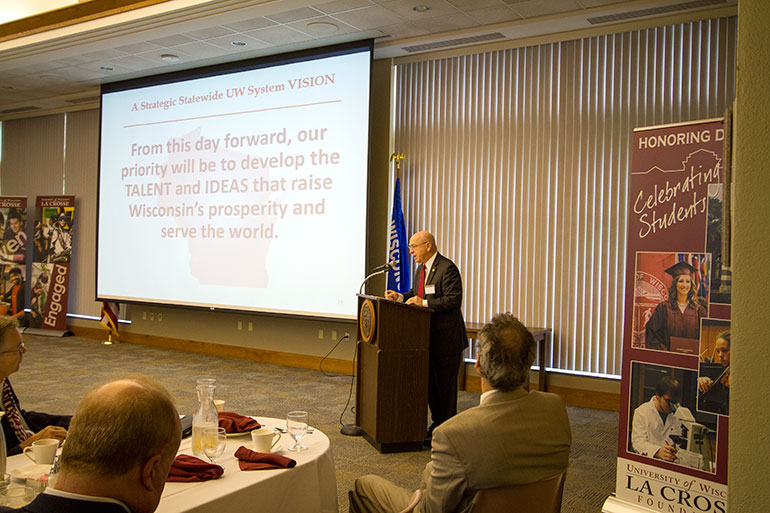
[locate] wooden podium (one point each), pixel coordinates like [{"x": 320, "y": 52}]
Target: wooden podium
[{"x": 392, "y": 386}]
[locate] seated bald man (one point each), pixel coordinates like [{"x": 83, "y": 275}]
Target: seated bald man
[
  {"x": 513, "y": 437},
  {"x": 121, "y": 443}
]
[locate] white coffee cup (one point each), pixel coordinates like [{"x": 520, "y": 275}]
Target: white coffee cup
[
  {"x": 264, "y": 439},
  {"x": 42, "y": 451},
  {"x": 219, "y": 404}
]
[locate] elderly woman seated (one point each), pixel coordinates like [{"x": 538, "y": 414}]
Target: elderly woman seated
[{"x": 20, "y": 427}]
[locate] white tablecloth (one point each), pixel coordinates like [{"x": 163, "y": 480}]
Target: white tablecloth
[{"x": 309, "y": 487}]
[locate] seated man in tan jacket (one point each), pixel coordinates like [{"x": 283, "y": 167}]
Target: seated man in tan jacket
[{"x": 513, "y": 437}]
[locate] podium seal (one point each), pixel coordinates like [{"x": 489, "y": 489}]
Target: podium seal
[{"x": 366, "y": 321}]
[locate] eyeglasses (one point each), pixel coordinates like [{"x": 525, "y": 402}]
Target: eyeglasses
[
  {"x": 19, "y": 349},
  {"x": 412, "y": 246}
]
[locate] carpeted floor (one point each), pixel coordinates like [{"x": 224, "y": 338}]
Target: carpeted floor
[{"x": 56, "y": 372}]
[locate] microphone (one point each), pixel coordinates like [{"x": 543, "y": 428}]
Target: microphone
[
  {"x": 377, "y": 270},
  {"x": 385, "y": 267}
]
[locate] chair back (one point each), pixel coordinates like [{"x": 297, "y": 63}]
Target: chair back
[{"x": 538, "y": 497}]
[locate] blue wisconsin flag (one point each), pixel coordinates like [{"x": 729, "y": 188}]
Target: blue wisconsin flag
[{"x": 398, "y": 276}]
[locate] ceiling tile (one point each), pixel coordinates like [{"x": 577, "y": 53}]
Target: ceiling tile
[
  {"x": 295, "y": 15},
  {"x": 405, "y": 8},
  {"x": 451, "y": 22},
  {"x": 492, "y": 15},
  {"x": 133, "y": 62},
  {"x": 533, "y": 8},
  {"x": 255, "y": 23},
  {"x": 137, "y": 48},
  {"x": 369, "y": 17},
  {"x": 70, "y": 61},
  {"x": 599, "y": 3},
  {"x": 320, "y": 27},
  {"x": 341, "y": 5},
  {"x": 279, "y": 35},
  {"x": 226, "y": 43},
  {"x": 404, "y": 30},
  {"x": 103, "y": 55},
  {"x": 207, "y": 49},
  {"x": 175, "y": 40},
  {"x": 467, "y": 5},
  {"x": 209, "y": 33}
]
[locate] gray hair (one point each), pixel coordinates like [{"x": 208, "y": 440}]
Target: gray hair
[{"x": 506, "y": 352}]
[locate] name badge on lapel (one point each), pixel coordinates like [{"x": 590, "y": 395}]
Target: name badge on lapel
[{"x": 430, "y": 289}]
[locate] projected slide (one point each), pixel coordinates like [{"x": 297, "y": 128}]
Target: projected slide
[{"x": 242, "y": 191}]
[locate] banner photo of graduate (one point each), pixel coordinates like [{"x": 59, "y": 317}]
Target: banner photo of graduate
[
  {"x": 13, "y": 251},
  {"x": 55, "y": 216},
  {"x": 672, "y": 441}
]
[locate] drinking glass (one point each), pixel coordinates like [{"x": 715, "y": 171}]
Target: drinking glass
[
  {"x": 296, "y": 424},
  {"x": 214, "y": 441}
]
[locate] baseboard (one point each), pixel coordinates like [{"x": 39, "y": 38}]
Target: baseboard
[
  {"x": 225, "y": 351},
  {"x": 572, "y": 396}
]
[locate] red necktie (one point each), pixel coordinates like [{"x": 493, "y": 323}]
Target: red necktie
[{"x": 421, "y": 288}]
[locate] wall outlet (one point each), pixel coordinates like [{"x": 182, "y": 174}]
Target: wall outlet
[
  {"x": 240, "y": 325},
  {"x": 152, "y": 316},
  {"x": 144, "y": 316},
  {"x": 347, "y": 335},
  {"x": 321, "y": 334},
  {"x": 251, "y": 326},
  {"x": 160, "y": 317},
  {"x": 334, "y": 335}
]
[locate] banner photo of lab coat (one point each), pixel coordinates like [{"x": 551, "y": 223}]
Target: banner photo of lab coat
[
  {"x": 672, "y": 443},
  {"x": 13, "y": 255},
  {"x": 53, "y": 236}
]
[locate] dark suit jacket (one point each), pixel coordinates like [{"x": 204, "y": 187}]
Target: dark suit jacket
[
  {"x": 447, "y": 326},
  {"x": 45, "y": 503},
  {"x": 35, "y": 420}
]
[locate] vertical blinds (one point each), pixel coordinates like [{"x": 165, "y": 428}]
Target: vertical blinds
[{"x": 517, "y": 160}]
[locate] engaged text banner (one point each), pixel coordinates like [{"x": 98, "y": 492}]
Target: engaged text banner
[
  {"x": 672, "y": 443},
  {"x": 51, "y": 261}
]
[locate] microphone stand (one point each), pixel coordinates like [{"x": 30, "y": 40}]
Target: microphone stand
[
  {"x": 384, "y": 269},
  {"x": 352, "y": 429}
]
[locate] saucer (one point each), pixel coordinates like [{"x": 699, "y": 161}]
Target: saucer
[
  {"x": 20, "y": 475},
  {"x": 236, "y": 435}
]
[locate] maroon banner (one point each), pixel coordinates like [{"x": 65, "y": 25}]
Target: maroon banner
[
  {"x": 672, "y": 443},
  {"x": 51, "y": 262},
  {"x": 13, "y": 251}
]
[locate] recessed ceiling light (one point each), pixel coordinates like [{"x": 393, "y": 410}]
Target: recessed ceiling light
[
  {"x": 239, "y": 43},
  {"x": 421, "y": 8},
  {"x": 106, "y": 68},
  {"x": 169, "y": 57},
  {"x": 322, "y": 27}
]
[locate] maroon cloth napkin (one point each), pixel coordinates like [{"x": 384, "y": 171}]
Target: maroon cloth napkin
[
  {"x": 235, "y": 423},
  {"x": 252, "y": 460},
  {"x": 187, "y": 469}
]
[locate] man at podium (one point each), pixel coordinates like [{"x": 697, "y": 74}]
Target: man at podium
[{"x": 438, "y": 285}]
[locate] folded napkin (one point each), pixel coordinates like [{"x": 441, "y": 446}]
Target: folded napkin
[
  {"x": 235, "y": 423},
  {"x": 252, "y": 460},
  {"x": 187, "y": 469}
]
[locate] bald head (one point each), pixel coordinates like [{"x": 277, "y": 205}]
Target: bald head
[
  {"x": 422, "y": 246},
  {"x": 118, "y": 426}
]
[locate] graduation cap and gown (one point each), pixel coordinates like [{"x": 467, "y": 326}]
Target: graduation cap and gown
[{"x": 668, "y": 321}]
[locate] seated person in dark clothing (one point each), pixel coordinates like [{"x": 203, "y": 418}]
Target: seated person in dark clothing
[{"x": 21, "y": 427}]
